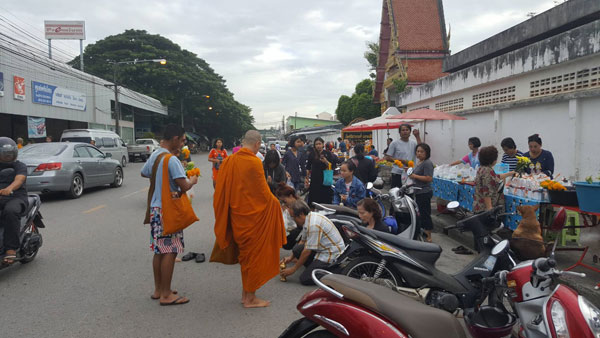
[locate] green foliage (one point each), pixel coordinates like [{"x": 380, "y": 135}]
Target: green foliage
[
  {"x": 185, "y": 77},
  {"x": 400, "y": 84},
  {"x": 372, "y": 56},
  {"x": 149, "y": 134},
  {"x": 344, "y": 109},
  {"x": 359, "y": 105}
]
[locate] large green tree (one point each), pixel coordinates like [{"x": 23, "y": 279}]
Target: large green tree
[
  {"x": 185, "y": 78},
  {"x": 360, "y": 104}
]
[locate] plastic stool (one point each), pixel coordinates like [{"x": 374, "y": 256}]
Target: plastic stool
[{"x": 571, "y": 235}]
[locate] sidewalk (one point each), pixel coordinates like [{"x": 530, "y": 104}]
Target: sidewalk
[{"x": 585, "y": 286}]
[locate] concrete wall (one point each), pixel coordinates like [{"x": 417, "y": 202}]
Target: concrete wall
[{"x": 569, "y": 129}]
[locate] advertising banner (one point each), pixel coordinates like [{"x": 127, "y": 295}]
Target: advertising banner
[
  {"x": 1, "y": 84},
  {"x": 64, "y": 30},
  {"x": 358, "y": 136},
  {"x": 19, "y": 88},
  {"x": 50, "y": 95},
  {"x": 36, "y": 127}
]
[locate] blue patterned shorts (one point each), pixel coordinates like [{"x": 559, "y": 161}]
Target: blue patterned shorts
[{"x": 163, "y": 244}]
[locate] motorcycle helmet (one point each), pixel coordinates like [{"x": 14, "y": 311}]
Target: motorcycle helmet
[
  {"x": 8, "y": 150},
  {"x": 490, "y": 322}
]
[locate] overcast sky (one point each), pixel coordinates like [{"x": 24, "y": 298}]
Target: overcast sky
[{"x": 278, "y": 57}]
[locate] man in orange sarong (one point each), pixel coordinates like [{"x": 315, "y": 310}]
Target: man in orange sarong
[{"x": 248, "y": 215}]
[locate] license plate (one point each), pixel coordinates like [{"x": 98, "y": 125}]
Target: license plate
[
  {"x": 489, "y": 263},
  {"x": 136, "y": 154}
]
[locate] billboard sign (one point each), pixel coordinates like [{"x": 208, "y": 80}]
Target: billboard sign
[
  {"x": 64, "y": 30},
  {"x": 19, "y": 88},
  {"x": 50, "y": 95},
  {"x": 36, "y": 127},
  {"x": 1, "y": 84}
]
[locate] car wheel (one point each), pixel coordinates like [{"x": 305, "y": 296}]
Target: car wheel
[
  {"x": 118, "y": 178},
  {"x": 76, "y": 189},
  {"x": 124, "y": 161}
]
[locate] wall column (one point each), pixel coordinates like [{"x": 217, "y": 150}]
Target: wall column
[{"x": 575, "y": 129}]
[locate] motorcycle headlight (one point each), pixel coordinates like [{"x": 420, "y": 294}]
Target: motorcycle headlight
[
  {"x": 591, "y": 315},
  {"x": 559, "y": 320}
]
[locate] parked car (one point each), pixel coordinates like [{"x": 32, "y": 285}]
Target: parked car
[
  {"x": 105, "y": 140},
  {"x": 143, "y": 148},
  {"x": 70, "y": 167}
]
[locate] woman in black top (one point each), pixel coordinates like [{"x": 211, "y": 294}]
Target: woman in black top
[
  {"x": 365, "y": 168},
  {"x": 274, "y": 170},
  {"x": 318, "y": 160},
  {"x": 370, "y": 214}
]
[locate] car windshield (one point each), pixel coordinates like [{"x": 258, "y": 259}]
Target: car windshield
[
  {"x": 143, "y": 141},
  {"x": 43, "y": 149},
  {"x": 76, "y": 139}
]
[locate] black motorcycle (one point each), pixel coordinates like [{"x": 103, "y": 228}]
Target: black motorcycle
[
  {"x": 408, "y": 266},
  {"x": 29, "y": 235}
]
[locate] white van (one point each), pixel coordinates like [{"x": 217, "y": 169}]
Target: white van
[{"x": 105, "y": 140}]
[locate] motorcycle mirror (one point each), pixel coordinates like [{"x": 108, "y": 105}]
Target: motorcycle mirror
[
  {"x": 553, "y": 248},
  {"x": 500, "y": 248},
  {"x": 369, "y": 185},
  {"x": 410, "y": 171},
  {"x": 452, "y": 205}
]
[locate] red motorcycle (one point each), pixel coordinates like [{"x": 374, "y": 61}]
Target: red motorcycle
[
  {"x": 348, "y": 307},
  {"x": 544, "y": 307}
]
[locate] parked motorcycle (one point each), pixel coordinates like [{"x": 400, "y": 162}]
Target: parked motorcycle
[
  {"x": 347, "y": 307},
  {"x": 29, "y": 236},
  {"x": 545, "y": 307},
  {"x": 408, "y": 266}
]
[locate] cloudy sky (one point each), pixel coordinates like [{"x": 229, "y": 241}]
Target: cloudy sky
[{"x": 278, "y": 57}]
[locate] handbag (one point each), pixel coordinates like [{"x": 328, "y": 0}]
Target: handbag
[
  {"x": 177, "y": 211},
  {"x": 327, "y": 178},
  {"x": 229, "y": 255}
]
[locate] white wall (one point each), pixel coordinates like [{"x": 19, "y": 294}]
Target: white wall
[{"x": 569, "y": 129}]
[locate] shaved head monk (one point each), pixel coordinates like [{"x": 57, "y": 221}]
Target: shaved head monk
[{"x": 248, "y": 218}]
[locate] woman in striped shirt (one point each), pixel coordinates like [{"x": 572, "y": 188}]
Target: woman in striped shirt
[{"x": 510, "y": 153}]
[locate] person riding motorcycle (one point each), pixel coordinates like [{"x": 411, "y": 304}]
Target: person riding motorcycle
[{"x": 13, "y": 196}]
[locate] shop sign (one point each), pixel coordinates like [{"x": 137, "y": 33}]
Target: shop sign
[
  {"x": 36, "y": 127},
  {"x": 19, "y": 88},
  {"x": 50, "y": 95},
  {"x": 65, "y": 30},
  {"x": 358, "y": 136}
]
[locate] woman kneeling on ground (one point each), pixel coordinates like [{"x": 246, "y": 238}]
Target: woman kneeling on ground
[{"x": 287, "y": 195}]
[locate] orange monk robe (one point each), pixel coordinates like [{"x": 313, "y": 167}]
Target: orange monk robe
[{"x": 249, "y": 214}]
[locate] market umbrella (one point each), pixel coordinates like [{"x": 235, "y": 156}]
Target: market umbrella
[{"x": 426, "y": 114}]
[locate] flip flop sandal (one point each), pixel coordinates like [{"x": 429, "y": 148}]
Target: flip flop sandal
[
  {"x": 157, "y": 298},
  {"x": 189, "y": 256},
  {"x": 176, "y": 302},
  {"x": 200, "y": 258},
  {"x": 12, "y": 258},
  {"x": 459, "y": 248},
  {"x": 463, "y": 252}
]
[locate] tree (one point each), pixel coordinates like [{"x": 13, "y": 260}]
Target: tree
[
  {"x": 372, "y": 56},
  {"x": 344, "y": 109},
  {"x": 360, "y": 104},
  {"x": 185, "y": 77}
]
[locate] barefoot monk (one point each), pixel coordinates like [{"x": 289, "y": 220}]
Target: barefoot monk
[{"x": 247, "y": 217}]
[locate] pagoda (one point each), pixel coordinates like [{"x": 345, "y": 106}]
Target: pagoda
[{"x": 412, "y": 46}]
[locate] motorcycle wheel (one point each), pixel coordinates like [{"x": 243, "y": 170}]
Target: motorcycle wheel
[
  {"x": 320, "y": 334},
  {"x": 28, "y": 257},
  {"x": 364, "y": 268}
]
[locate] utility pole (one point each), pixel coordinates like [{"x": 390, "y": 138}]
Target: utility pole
[
  {"x": 295, "y": 119},
  {"x": 181, "y": 110},
  {"x": 117, "y": 107}
]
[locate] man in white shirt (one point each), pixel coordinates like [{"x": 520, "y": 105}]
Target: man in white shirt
[
  {"x": 323, "y": 244},
  {"x": 403, "y": 150}
]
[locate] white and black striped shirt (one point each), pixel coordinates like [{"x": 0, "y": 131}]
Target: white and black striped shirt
[{"x": 511, "y": 160}]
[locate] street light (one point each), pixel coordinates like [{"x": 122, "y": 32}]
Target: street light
[{"x": 116, "y": 87}]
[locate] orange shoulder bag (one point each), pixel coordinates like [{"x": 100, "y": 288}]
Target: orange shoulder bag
[{"x": 177, "y": 211}]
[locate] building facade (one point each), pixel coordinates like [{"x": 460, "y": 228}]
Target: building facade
[
  {"x": 298, "y": 122},
  {"x": 38, "y": 92},
  {"x": 539, "y": 77}
]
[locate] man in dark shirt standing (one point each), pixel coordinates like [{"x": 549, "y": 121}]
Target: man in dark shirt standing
[{"x": 13, "y": 196}]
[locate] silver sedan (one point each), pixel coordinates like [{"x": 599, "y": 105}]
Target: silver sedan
[{"x": 69, "y": 167}]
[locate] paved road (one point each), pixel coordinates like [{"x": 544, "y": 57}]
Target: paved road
[{"x": 93, "y": 276}]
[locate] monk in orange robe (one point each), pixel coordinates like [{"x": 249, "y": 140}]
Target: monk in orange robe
[{"x": 248, "y": 215}]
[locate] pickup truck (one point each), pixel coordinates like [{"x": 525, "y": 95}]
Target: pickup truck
[{"x": 142, "y": 148}]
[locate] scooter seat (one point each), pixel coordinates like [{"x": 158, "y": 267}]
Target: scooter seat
[
  {"x": 404, "y": 243},
  {"x": 342, "y": 209},
  {"x": 416, "y": 319}
]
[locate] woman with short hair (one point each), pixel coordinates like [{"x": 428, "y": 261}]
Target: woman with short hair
[
  {"x": 471, "y": 158},
  {"x": 369, "y": 213},
  {"x": 488, "y": 184},
  {"x": 510, "y": 153}
]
